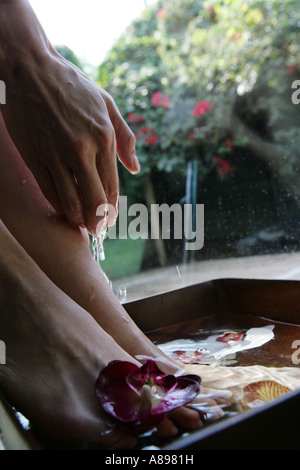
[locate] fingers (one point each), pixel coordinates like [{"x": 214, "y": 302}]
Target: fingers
[
  {"x": 84, "y": 185},
  {"x": 46, "y": 184},
  {"x": 68, "y": 193},
  {"x": 94, "y": 200},
  {"x": 124, "y": 137},
  {"x": 107, "y": 169},
  {"x": 97, "y": 178}
]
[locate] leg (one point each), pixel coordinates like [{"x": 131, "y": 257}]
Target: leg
[
  {"x": 53, "y": 347},
  {"x": 61, "y": 251}
]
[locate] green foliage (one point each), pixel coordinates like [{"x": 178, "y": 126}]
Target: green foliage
[
  {"x": 231, "y": 58},
  {"x": 122, "y": 257}
]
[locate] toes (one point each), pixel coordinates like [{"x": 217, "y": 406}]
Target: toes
[
  {"x": 186, "y": 418},
  {"x": 182, "y": 417},
  {"x": 166, "y": 428}
]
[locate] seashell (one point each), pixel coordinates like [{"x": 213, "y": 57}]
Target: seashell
[{"x": 264, "y": 391}]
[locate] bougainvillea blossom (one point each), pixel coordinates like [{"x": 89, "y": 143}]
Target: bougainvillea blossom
[
  {"x": 201, "y": 107},
  {"x": 151, "y": 139},
  {"x": 133, "y": 118},
  {"x": 145, "y": 130},
  {"x": 161, "y": 13},
  {"x": 139, "y": 397},
  {"x": 224, "y": 167},
  {"x": 229, "y": 144},
  {"x": 160, "y": 101}
]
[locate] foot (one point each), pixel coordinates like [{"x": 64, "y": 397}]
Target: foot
[{"x": 54, "y": 352}]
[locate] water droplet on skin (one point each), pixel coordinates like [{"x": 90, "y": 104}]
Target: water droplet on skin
[
  {"x": 92, "y": 294},
  {"x": 125, "y": 318},
  {"x": 97, "y": 246},
  {"x": 121, "y": 294},
  {"x": 99, "y": 255}
]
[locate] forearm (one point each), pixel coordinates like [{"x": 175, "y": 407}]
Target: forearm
[{"x": 22, "y": 37}]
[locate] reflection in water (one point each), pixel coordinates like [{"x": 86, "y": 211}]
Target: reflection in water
[
  {"x": 217, "y": 348},
  {"x": 228, "y": 386},
  {"x": 236, "y": 368}
]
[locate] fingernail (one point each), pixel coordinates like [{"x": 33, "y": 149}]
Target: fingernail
[
  {"x": 136, "y": 165},
  {"x": 81, "y": 221}
]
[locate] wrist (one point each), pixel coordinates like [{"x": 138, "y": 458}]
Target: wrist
[{"x": 22, "y": 38}]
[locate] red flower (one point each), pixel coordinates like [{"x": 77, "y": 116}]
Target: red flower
[
  {"x": 161, "y": 12},
  {"x": 145, "y": 130},
  {"x": 152, "y": 139},
  {"x": 139, "y": 397},
  {"x": 229, "y": 144},
  {"x": 224, "y": 167},
  {"x": 131, "y": 117},
  {"x": 201, "y": 107},
  {"x": 160, "y": 101},
  {"x": 212, "y": 13},
  {"x": 291, "y": 69}
]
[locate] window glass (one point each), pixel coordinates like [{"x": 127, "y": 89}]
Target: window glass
[{"x": 211, "y": 90}]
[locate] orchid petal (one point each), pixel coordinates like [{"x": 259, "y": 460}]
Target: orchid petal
[
  {"x": 150, "y": 370},
  {"x": 186, "y": 390},
  {"x": 113, "y": 393},
  {"x": 140, "y": 396}
]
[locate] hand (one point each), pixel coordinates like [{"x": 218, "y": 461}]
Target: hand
[{"x": 68, "y": 131}]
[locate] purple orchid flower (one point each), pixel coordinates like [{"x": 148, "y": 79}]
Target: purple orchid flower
[{"x": 139, "y": 397}]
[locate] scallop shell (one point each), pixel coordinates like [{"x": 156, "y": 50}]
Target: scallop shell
[{"x": 258, "y": 393}]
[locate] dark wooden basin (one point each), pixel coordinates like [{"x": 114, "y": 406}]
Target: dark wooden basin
[{"x": 272, "y": 426}]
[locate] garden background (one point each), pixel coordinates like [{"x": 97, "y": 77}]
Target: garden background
[{"x": 206, "y": 87}]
